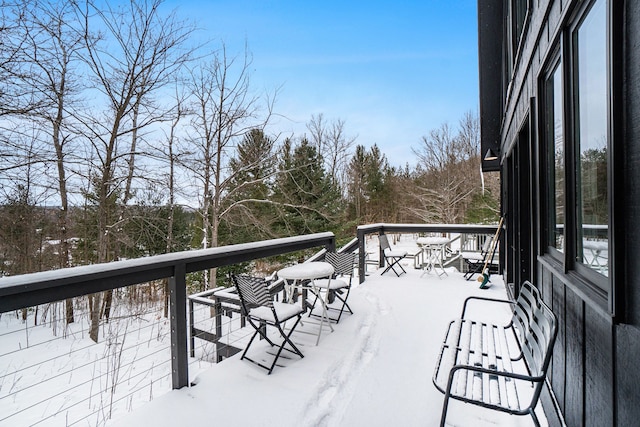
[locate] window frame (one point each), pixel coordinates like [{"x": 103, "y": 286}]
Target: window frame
[
  {"x": 591, "y": 276},
  {"x": 515, "y": 41},
  {"x": 564, "y": 54},
  {"x": 549, "y": 182}
]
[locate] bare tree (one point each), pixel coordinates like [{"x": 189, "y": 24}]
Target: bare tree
[
  {"x": 51, "y": 46},
  {"x": 171, "y": 156},
  {"x": 133, "y": 59},
  {"x": 16, "y": 93},
  {"x": 224, "y": 110},
  {"x": 334, "y": 145},
  {"x": 446, "y": 176}
]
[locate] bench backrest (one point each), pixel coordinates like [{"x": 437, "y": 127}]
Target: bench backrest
[
  {"x": 539, "y": 341},
  {"x": 527, "y": 302},
  {"x": 537, "y": 328}
]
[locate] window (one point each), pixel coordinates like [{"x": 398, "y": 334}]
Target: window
[
  {"x": 577, "y": 181},
  {"x": 590, "y": 80},
  {"x": 516, "y": 13},
  {"x": 555, "y": 142}
]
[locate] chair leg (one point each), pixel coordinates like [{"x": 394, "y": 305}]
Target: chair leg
[
  {"x": 244, "y": 353},
  {"x": 445, "y": 404},
  {"x": 393, "y": 262},
  {"x": 262, "y": 330},
  {"x": 340, "y": 310},
  {"x": 396, "y": 262},
  {"x": 344, "y": 305},
  {"x": 443, "y": 417},
  {"x": 286, "y": 340},
  {"x": 400, "y": 265},
  {"x": 473, "y": 269}
]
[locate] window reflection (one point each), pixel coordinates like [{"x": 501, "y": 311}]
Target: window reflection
[
  {"x": 556, "y": 153},
  {"x": 591, "y": 140}
]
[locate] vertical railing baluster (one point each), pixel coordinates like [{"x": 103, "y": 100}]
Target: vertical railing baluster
[
  {"x": 192, "y": 332},
  {"x": 361, "y": 256},
  {"x": 178, "y": 310},
  {"x": 218, "y": 310}
]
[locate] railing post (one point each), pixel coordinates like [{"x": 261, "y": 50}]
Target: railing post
[
  {"x": 178, "y": 321},
  {"x": 381, "y": 251},
  {"x": 331, "y": 246}
]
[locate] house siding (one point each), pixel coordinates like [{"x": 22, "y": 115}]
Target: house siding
[{"x": 594, "y": 373}]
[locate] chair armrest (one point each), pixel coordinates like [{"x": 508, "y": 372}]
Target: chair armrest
[{"x": 503, "y": 301}]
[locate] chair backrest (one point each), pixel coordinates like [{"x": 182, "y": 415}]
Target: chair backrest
[
  {"x": 342, "y": 262},
  {"x": 253, "y": 291},
  {"x": 384, "y": 242},
  {"x": 486, "y": 246}
]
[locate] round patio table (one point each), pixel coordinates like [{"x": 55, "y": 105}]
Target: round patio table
[
  {"x": 301, "y": 276},
  {"x": 433, "y": 248}
]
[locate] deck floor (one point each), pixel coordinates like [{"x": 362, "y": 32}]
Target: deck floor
[{"x": 375, "y": 369}]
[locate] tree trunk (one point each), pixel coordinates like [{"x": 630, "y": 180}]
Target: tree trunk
[{"x": 95, "y": 301}]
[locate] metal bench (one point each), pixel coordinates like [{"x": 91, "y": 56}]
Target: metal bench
[{"x": 500, "y": 367}]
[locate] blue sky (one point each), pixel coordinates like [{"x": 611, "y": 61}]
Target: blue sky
[{"x": 392, "y": 70}]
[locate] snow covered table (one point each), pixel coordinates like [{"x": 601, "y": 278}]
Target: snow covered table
[
  {"x": 501, "y": 367},
  {"x": 433, "y": 251},
  {"x": 301, "y": 276}
]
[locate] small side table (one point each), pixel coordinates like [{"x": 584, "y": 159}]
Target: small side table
[
  {"x": 433, "y": 253},
  {"x": 301, "y": 276}
]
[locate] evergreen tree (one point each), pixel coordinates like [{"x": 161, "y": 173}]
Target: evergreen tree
[
  {"x": 249, "y": 211},
  {"x": 309, "y": 201}
]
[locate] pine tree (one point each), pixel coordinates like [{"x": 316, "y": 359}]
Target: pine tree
[
  {"x": 249, "y": 211},
  {"x": 310, "y": 202}
]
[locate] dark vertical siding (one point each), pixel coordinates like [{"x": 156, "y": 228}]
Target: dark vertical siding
[
  {"x": 631, "y": 200},
  {"x": 559, "y": 354},
  {"x": 598, "y": 385},
  {"x": 627, "y": 379},
  {"x": 595, "y": 374},
  {"x": 574, "y": 369},
  {"x": 627, "y": 336}
]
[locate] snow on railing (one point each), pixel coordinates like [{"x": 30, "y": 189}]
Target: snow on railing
[{"x": 52, "y": 373}]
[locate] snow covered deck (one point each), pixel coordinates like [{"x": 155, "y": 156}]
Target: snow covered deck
[{"x": 374, "y": 370}]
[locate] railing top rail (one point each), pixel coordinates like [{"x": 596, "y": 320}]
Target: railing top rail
[
  {"x": 445, "y": 228},
  {"x": 36, "y": 288}
]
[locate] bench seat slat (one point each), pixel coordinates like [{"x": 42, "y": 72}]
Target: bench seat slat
[
  {"x": 510, "y": 392},
  {"x": 494, "y": 380}
]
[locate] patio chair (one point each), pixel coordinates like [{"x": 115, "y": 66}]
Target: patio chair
[
  {"x": 391, "y": 257},
  {"x": 261, "y": 311},
  {"x": 475, "y": 260},
  {"x": 339, "y": 286}
]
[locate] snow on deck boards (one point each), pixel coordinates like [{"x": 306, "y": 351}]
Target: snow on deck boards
[{"x": 375, "y": 369}]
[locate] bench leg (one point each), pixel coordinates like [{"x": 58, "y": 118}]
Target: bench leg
[
  {"x": 534, "y": 416},
  {"x": 445, "y": 404}
]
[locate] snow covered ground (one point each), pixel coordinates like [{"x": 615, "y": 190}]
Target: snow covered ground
[
  {"x": 55, "y": 375},
  {"x": 374, "y": 370}
]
